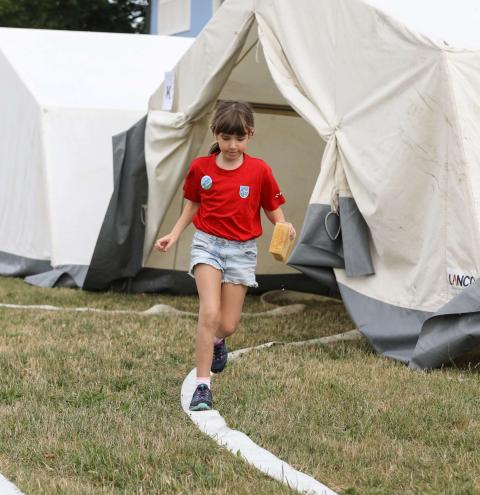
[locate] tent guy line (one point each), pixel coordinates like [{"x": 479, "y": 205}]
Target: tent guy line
[
  {"x": 157, "y": 309},
  {"x": 293, "y": 298},
  {"x": 213, "y": 424}
]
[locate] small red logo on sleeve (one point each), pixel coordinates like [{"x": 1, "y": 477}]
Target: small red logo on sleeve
[{"x": 278, "y": 195}]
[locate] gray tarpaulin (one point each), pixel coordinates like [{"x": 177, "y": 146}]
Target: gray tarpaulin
[
  {"x": 392, "y": 331},
  {"x": 118, "y": 251},
  {"x": 355, "y": 241},
  {"x": 19, "y": 266},
  {"x": 179, "y": 282},
  {"x": 71, "y": 276},
  {"x": 40, "y": 272},
  {"x": 328, "y": 241},
  {"x": 450, "y": 332},
  {"x": 421, "y": 339}
]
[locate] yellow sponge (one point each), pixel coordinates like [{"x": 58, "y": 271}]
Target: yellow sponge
[{"x": 281, "y": 245}]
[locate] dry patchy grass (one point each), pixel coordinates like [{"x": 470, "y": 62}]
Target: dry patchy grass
[
  {"x": 360, "y": 423},
  {"x": 89, "y": 403}
]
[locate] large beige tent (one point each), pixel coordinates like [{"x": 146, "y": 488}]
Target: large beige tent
[
  {"x": 368, "y": 113},
  {"x": 390, "y": 208}
]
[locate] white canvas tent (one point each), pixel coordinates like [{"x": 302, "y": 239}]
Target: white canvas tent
[
  {"x": 391, "y": 213},
  {"x": 63, "y": 96}
]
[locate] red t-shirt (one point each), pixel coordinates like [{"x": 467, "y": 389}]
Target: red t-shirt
[{"x": 230, "y": 200}]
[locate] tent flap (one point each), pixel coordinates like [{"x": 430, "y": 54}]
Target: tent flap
[
  {"x": 334, "y": 240},
  {"x": 355, "y": 240},
  {"x": 118, "y": 251},
  {"x": 172, "y": 140}
]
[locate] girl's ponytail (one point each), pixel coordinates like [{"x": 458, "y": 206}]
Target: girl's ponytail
[{"x": 214, "y": 149}]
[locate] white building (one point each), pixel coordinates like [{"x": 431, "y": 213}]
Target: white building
[{"x": 181, "y": 17}]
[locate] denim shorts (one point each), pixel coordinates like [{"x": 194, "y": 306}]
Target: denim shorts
[{"x": 235, "y": 259}]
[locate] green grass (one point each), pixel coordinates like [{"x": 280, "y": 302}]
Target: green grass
[
  {"x": 90, "y": 403},
  {"x": 360, "y": 423}
]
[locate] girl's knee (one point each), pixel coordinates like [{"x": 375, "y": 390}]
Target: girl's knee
[
  {"x": 209, "y": 318},
  {"x": 228, "y": 327}
]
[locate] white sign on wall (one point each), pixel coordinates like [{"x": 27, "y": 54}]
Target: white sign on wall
[{"x": 168, "y": 90}]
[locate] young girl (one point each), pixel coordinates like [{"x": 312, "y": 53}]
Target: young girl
[{"x": 224, "y": 192}]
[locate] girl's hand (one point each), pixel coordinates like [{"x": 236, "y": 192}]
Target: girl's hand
[{"x": 165, "y": 243}]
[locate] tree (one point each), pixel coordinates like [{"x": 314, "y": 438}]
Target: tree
[{"x": 121, "y": 16}]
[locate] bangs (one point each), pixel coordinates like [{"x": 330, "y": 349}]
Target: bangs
[{"x": 231, "y": 122}]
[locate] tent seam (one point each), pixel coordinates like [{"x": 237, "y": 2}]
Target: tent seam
[
  {"x": 21, "y": 79},
  {"x": 43, "y": 152}
]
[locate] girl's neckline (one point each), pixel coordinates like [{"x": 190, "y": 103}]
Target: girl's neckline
[{"x": 228, "y": 170}]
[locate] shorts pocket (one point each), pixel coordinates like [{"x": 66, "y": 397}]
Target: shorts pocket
[
  {"x": 250, "y": 252},
  {"x": 200, "y": 242}
]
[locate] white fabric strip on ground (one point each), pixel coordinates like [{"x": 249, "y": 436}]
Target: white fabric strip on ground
[
  {"x": 158, "y": 309},
  {"x": 213, "y": 424},
  {"x": 294, "y": 298},
  {"x": 8, "y": 488}
]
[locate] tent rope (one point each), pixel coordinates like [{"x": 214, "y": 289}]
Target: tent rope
[{"x": 165, "y": 309}]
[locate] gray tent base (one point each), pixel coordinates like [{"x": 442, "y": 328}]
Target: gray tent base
[
  {"x": 151, "y": 280},
  {"x": 148, "y": 280},
  {"x": 40, "y": 272},
  {"x": 420, "y": 339},
  {"x": 71, "y": 276},
  {"x": 12, "y": 265}
]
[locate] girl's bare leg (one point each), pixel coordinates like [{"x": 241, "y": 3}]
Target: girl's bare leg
[
  {"x": 209, "y": 286},
  {"x": 232, "y": 299}
]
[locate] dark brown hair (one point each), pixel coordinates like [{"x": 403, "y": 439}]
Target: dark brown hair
[{"x": 232, "y": 117}]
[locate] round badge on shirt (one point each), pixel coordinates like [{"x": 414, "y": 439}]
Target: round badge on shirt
[{"x": 206, "y": 182}]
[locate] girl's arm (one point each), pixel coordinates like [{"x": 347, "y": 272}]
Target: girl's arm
[
  {"x": 167, "y": 241},
  {"x": 277, "y": 216}
]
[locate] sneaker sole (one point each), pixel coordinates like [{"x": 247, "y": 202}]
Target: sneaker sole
[
  {"x": 201, "y": 407},
  {"x": 218, "y": 371}
]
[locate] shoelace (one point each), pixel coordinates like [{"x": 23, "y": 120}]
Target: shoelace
[{"x": 202, "y": 394}]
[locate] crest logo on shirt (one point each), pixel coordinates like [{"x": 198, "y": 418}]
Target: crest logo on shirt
[
  {"x": 244, "y": 191},
  {"x": 206, "y": 182}
]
